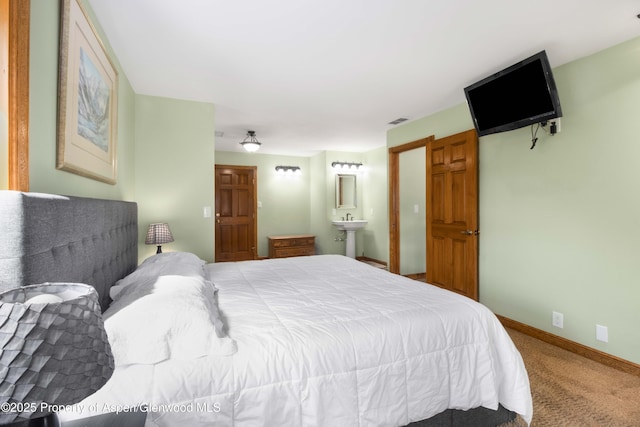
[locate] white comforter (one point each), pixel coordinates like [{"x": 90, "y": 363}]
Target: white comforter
[{"x": 329, "y": 341}]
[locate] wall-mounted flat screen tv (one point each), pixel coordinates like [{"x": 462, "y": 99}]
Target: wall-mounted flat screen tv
[{"x": 520, "y": 95}]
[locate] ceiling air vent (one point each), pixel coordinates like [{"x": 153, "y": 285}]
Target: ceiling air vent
[{"x": 398, "y": 121}]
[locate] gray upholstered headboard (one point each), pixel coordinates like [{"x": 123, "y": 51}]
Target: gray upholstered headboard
[{"x": 50, "y": 238}]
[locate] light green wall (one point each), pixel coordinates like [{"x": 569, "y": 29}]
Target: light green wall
[
  {"x": 560, "y": 223},
  {"x": 285, "y": 199},
  {"x": 444, "y": 123},
  {"x": 321, "y": 204},
  {"x": 375, "y": 202},
  {"x": 43, "y": 100},
  {"x": 413, "y": 226},
  {"x": 175, "y": 156}
]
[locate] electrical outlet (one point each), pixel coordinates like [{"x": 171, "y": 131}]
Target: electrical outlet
[
  {"x": 557, "y": 320},
  {"x": 602, "y": 333}
]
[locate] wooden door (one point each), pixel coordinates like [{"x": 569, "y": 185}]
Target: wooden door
[
  {"x": 236, "y": 219},
  {"x": 452, "y": 216}
]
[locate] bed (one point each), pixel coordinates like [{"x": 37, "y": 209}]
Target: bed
[{"x": 310, "y": 341}]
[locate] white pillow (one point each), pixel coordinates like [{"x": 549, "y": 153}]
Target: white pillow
[
  {"x": 172, "y": 317},
  {"x": 174, "y": 263},
  {"x": 181, "y": 257}
]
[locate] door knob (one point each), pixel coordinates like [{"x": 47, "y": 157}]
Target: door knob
[{"x": 470, "y": 232}]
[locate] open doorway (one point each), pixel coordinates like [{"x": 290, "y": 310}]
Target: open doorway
[
  {"x": 413, "y": 215},
  {"x": 398, "y": 205}
]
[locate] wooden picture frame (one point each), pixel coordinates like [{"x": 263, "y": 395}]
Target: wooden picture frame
[{"x": 87, "y": 99}]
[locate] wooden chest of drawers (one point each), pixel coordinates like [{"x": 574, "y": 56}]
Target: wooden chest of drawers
[{"x": 293, "y": 245}]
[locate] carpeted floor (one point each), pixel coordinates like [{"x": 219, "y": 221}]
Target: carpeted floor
[{"x": 569, "y": 390}]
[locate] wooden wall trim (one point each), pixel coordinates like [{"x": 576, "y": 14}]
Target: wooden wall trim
[
  {"x": 411, "y": 145},
  {"x": 19, "y": 21},
  {"x": 394, "y": 209},
  {"x": 366, "y": 258},
  {"x": 572, "y": 346}
]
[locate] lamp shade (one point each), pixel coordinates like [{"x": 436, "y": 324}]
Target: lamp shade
[
  {"x": 158, "y": 233},
  {"x": 53, "y": 348}
]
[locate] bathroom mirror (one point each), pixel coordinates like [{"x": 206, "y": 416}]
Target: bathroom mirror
[{"x": 345, "y": 191}]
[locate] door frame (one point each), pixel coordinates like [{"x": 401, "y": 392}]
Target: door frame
[
  {"x": 17, "y": 56},
  {"x": 394, "y": 198},
  {"x": 254, "y": 237}
]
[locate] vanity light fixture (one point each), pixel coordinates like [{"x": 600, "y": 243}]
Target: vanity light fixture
[
  {"x": 250, "y": 143},
  {"x": 347, "y": 166},
  {"x": 290, "y": 170}
]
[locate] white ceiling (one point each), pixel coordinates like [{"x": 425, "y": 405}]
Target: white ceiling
[{"x": 315, "y": 75}]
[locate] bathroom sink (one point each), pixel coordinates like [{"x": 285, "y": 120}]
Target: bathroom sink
[
  {"x": 350, "y": 227},
  {"x": 354, "y": 224}
]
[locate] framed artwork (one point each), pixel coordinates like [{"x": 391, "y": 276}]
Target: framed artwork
[{"x": 87, "y": 99}]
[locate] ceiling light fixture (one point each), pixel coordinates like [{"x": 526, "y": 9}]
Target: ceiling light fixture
[{"x": 250, "y": 143}]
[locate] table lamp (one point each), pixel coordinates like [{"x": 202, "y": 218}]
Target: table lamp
[
  {"x": 157, "y": 234},
  {"x": 54, "y": 350}
]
